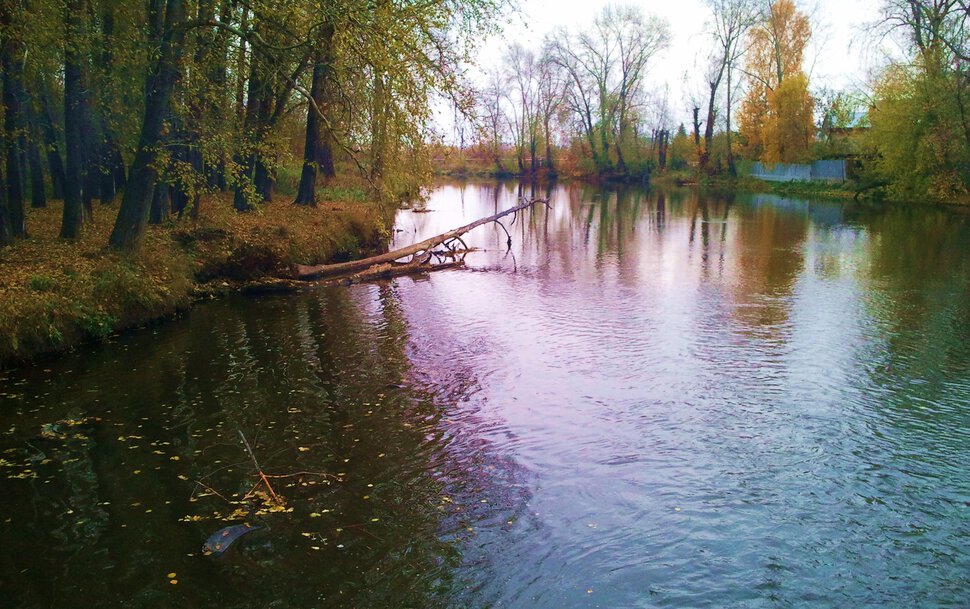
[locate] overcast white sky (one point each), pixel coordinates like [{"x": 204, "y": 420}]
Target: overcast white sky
[{"x": 839, "y": 56}]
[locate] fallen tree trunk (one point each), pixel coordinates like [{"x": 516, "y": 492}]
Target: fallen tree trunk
[{"x": 386, "y": 265}]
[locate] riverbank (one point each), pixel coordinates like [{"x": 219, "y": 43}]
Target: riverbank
[
  {"x": 720, "y": 183},
  {"x": 746, "y": 184},
  {"x": 56, "y": 294}
]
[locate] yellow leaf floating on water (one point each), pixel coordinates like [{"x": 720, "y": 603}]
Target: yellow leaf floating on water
[
  {"x": 315, "y": 515},
  {"x": 303, "y": 449},
  {"x": 193, "y": 518},
  {"x": 171, "y": 575}
]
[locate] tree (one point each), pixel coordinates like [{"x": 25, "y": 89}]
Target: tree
[
  {"x": 50, "y": 139},
  {"x": 732, "y": 21},
  {"x": 492, "y": 117},
  {"x": 579, "y": 72},
  {"x": 550, "y": 96},
  {"x": 73, "y": 213},
  {"x": 841, "y": 115},
  {"x": 157, "y": 83},
  {"x": 318, "y": 155},
  {"x": 13, "y": 50},
  {"x": 5, "y": 236},
  {"x": 605, "y": 69},
  {"x": 111, "y": 164},
  {"x": 776, "y": 50},
  {"x": 160, "y": 82},
  {"x": 790, "y": 129},
  {"x": 638, "y": 39},
  {"x": 920, "y": 113},
  {"x": 682, "y": 153},
  {"x": 521, "y": 96}
]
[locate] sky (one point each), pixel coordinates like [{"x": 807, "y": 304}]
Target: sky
[{"x": 840, "y": 56}]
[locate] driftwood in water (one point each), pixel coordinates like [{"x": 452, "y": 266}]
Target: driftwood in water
[{"x": 420, "y": 254}]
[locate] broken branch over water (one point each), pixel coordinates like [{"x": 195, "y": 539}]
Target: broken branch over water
[{"x": 421, "y": 254}]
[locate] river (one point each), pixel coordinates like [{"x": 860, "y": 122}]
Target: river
[{"x": 652, "y": 399}]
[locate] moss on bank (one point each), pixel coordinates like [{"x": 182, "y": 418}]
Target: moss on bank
[{"x": 55, "y": 294}]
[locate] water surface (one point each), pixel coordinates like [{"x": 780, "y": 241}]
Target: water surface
[{"x": 653, "y": 399}]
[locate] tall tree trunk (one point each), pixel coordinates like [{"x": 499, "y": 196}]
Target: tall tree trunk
[
  {"x": 697, "y": 126},
  {"x": 91, "y": 144},
  {"x": 106, "y": 180},
  {"x": 590, "y": 135},
  {"x": 662, "y": 149},
  {"x": 38, "y": 195},
  {"x": 620, "y": 161},
  {"x": 378, "y": 138},
  {"x": 73, "y": 215},
  {"x": 550, "y": 167},
  {"x": 136, "y": 204},
  {"x": 55, "y": 165},
  {"x": 15, "y": 125},
  {"x": 241, "y": 199},
  {"x": 532, "y": 152},
  {"x": 732, "y": 169},
  {"x": 4, "y": 226},
  {"x": 379, "y": 111},
  {"x": 318, "y": 154},
  {"x": 118, "y": 168},
  {"x": 91, "y": 136},
  {"x": 212, "y": 44},
  {"x": 161, "y": 203},
  {"x": 606, "y": 161},
  {"x": 264, "y": 178},
  {"x": 709, "y": 126},
  {"x": 241, "y": 68},
  {"x": 111, "y": 170}
]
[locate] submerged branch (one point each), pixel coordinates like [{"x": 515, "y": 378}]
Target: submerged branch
[{"x": 387, "y": 265}]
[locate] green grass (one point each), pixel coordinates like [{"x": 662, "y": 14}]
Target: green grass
[{"x": 55, "y": 294}]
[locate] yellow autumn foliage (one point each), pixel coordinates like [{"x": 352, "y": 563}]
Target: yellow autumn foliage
[
  {"x": 775, "y": 121},
  {"x": 789, "y": 128}
]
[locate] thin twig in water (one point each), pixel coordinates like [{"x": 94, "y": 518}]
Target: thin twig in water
[
  {"x": 259, "y": 469},
  {"x": 274, "y": 476},
  {"x": 213, "y": 491},
  {"x": 362, "y": 528}
]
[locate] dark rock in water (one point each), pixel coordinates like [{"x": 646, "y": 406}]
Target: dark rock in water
[{"x": 220, "y": 541}]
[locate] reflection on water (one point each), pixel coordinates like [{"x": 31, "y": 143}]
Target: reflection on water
[{"x": 653, "y": 399}]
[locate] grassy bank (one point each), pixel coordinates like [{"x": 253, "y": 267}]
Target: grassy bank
[
  {"x": 56, "y": 294},
  {"x": 746, "y": 184},
  {"x": 810, "y": 190}
]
